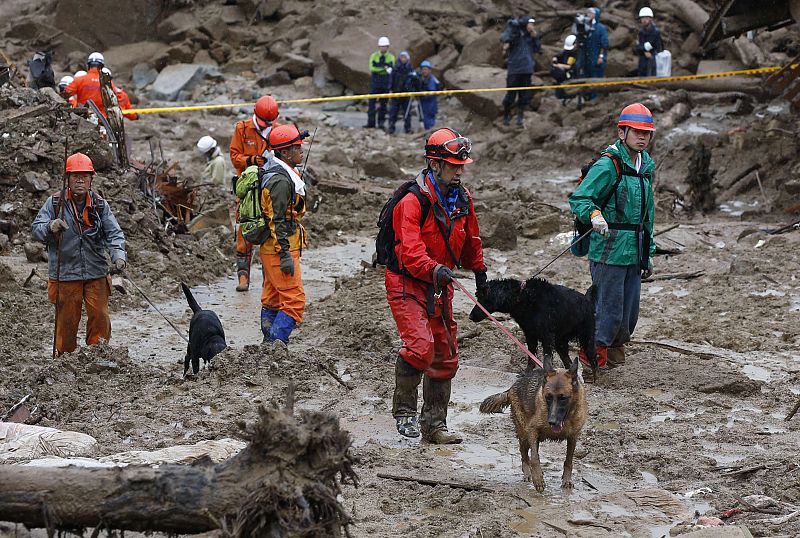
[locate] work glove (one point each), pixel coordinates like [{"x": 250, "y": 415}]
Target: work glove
[
  {"x": 287, "y": 263},
  {"x": 57, "y": 226},
  {"x": 388, "y": 70},
  {"x": 118, "y": 265},
  {"x": 647, "y": 273},
  {"x": 648, "y": 47},
  {"x": 599, "y": 224},
  {"x": 480, "y": 279},
  {"x": 443, "y": 276}
]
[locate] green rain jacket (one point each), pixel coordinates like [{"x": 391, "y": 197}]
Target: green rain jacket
[
  {"x": 378, "y": 67},
  {"x": 620, "y": 247}
]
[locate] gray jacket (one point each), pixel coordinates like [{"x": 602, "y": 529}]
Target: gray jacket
[{"x": 84, "y": 252}]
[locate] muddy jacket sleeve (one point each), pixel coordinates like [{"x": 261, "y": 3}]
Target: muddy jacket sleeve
[
  {"x": 280, "y": 190},
  {"x": 472, "y": 253},
  {"x": 411, "y": 250},
  {"x": 590, "y": 192},
  {"x": 238, "y": 157},
  {"x": 40, "y": 230},
  {"x": 115, "y": 239}
]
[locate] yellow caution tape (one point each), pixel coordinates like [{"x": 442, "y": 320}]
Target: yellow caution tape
[{"x": 627, "y": 82}]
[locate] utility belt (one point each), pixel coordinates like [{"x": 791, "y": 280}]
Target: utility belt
[{"x": 642, "y": 243}]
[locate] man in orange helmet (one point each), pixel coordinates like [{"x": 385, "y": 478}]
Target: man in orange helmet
[
  {"x": 283, "y": 194},
  {"x": 436, "y": 230},
  {"x": 249, "y": 147},
  {"x": 85, "y": 232},
  {"x": 622, "y": 246}
]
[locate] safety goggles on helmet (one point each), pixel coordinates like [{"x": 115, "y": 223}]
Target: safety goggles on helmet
[{"x": 459, "y": 147}]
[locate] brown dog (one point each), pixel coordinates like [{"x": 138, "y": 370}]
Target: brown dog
[{"x": 546, "y": 404}]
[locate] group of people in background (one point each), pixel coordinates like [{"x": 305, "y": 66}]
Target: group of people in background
[{"x": 84, "y": 86}]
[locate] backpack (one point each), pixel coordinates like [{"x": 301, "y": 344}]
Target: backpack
[
  {"x": 386, "y": 241},
  {"x": 253, "y": 223},
  {"x": 580, "y": 245},
  {"x": 42, "y": 75}
]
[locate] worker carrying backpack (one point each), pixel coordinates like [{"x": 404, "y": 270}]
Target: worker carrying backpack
[
  {"x": 386, "y": 240},
  {"x": 252, "y": 222},
  {"x": 580, "y": 234}
]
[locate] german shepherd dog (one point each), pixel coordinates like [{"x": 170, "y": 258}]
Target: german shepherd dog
[
  {"x": 206, "y": 336},
  {"x": 546, "y": 405},
  {"x": 546, "y": 313}
]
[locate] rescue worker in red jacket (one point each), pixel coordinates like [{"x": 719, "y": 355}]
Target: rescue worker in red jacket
[
  {"x": 87, "y": 87},
  {"x": 420, "y": 295},
  {"x": 249, "y": 147}
]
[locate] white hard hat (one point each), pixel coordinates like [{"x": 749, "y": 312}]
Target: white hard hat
[
  {"x": 107, "y": 71},
  {"x": 79, "y": 73},
  {"x": 97, "y": 58},
  {"x": 646, "y": 12},
  {"x": 206, "y": 144},
  {"x": 383, "y": 41},
  {"x": 65, "y": 80},
  {"x": 569, "y": 42}
]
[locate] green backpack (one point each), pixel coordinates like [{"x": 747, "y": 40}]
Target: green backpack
[{"x": 252, "y": 222}]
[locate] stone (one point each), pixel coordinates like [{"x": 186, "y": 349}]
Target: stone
[
  {"x": 748, "y": 52},
  {"x": 33, "y": 182},
  {"x": 5, "y": 241},
  {"x": 296, "y": 65},
  {"x": 706, "y": 67},
  {"x": 278, "y": 78},
  {"x": 792, "y": 187},
  {"x": 461, "y": 35},
  {"x": 123, "y": 59},
  {"x": 742, "y": 267},
  {"x": 304, "y": 84},
  {"x": 220, "y": 53},
  {"x": 504, "y": 235},
  {"x": 232, "y": 15},
  {"x": 35, "y": 252},
  {"x": 143, "y": 75},
  {"x": 174, "y": 79},
  {"x": 444, "y": 59},
  {"x": 177, "y": 26},
  {"x": 380, "y": 164},
  {"x": 215, "y": 28},
  {"x": 542, "y": 226},
  {"x": 270, "y": 8},
  {"x": 621, "y": 38},
  {"x": 477, "y": 76},
  {"x": 181, "y": 53},
  {"x": 484, "y": 50}
]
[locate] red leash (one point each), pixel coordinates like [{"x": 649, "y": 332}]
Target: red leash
[{"x": 499, "y": 325}]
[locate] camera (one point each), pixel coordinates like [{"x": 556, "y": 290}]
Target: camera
[
  {"x": 581, "y": 29},
  {"x": 413, "y": 82}
]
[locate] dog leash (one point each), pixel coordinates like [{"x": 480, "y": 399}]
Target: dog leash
[
  {"x": 146, "y": 298},
  {"x": 572, "y": 242},
  {"x": 499, "y": 325}
]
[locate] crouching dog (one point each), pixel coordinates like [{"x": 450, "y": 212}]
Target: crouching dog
[{"x": 546, "y": 405}]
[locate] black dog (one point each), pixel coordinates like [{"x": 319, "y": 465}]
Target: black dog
[
  {"x": 546, "y": 313},
  {"x": 206, "y": 336}
]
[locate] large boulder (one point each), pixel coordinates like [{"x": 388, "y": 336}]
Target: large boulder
[
  {"x": 174, "y": 79},
  {"x": 124, "y": 58},
  {"x": 478, "y": 76},
  {"x": 347, "y": 54},
  {"x": 485, "y": 49},
  {"x": 296, "y": 65}
]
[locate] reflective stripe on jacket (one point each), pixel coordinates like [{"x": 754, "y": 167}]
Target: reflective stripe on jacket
[{"x": 284, "y": 208}]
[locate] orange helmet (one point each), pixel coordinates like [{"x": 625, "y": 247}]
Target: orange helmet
[
  {"x": 447, "y": 145},
  {"x": 283, "y": 136},
  {"x": 78, "y": 162},
  {"x": 266, "y": 110},
  {"x": 637, "y": 116}
]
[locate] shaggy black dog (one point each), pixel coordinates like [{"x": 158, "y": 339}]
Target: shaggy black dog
[
  {"x": 206, "y": 336},
  {"x": 546, "y": 313}
]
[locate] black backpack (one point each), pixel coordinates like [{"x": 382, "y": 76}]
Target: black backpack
[
  {"x": 386, "y": 240},
  {"x": 580, "y": 244},
  {"x": 42, "y": 75}
]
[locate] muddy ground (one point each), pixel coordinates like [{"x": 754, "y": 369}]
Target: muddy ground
[{"x": 688, "y": 427}]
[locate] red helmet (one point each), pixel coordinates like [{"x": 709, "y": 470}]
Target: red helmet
[
  {"x": 79, "y": 162},
  {"x": 447, "y": 145},
  {"x": 283, "y": 136},
  {"x": 637, "y": 116},
  {"x": 266, "y": 110}
]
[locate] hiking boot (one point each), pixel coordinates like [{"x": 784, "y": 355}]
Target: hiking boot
[
  {"x": 244, "y": 282},
  {"x": 521, "y": 120},
  {"x": 433, "y": 419},
  {"x": 506, "y": 119},
  {"x": 407, "y": 426},
  {"x": 243, "y": 261},
  {"x": 616, "y": 356},
  {"x": 404, "y": 401}
]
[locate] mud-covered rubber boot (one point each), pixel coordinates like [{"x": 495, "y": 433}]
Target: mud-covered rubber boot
[
  {"x": 404, "y": 402},
  {"x": 591, "y": 374},
  {"x": 616, "y": 356},
  {"x": 243, "y": 270},
  {"x": 433, "y": 419},
  {"x": 267, "y": 318},
  {"x": 506, "y": 117},
  {"x": 521, "y": 119}
]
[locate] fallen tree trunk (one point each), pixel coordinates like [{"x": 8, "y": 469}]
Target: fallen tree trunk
[
  {"x": 284, "y": 483},
  {"x": 689, "y": 12},
  {"x": 741, "y": 84}
]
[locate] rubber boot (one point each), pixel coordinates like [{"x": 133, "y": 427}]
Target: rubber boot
[
  {"x": 282, "y": 327},
  {"x": 433, "y": 419},
  {"x": 243, "y": 270},
  {"x": 506, "y": 117},
  {"x": 521, "y": 119},
  {"x": 590, "y": 375},
  {"x": 404, "y": 402},
  {"x": 616, "y": 356},
  {"x": 267, "y": 318}
]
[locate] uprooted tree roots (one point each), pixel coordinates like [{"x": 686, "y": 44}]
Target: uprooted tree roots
[{"x": 285, "y": 483}]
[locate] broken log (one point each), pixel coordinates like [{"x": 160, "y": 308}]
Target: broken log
[
  {"x": 431, "y": 482},
  {"x": 284, "y": 483},
  {"x": 746, "y": 84},
  {"x": 689, "y": 12}
]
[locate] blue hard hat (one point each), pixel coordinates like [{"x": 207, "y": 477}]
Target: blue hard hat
[{"x": 425, "y": 63}]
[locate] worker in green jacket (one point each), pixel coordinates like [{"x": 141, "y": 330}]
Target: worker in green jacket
[
  {"x": 621, "y": 246},
  {"x": 380, "y": 68}
]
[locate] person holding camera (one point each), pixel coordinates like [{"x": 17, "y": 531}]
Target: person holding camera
[
  {"x": 562, "y": 67},
  {"x": 649, "y": 43},
  {"x": 403, "y": 69},
  {"x": 380, "y": 68},
  {"x": 521, "y": 42},
  {"x": 594, "y": 47}
]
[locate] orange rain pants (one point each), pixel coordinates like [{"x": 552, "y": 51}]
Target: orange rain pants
[
  {"x": 281, "y": 291},
  {"x": 71, "y": 296}
]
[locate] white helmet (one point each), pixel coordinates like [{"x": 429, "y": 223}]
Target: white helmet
[
  {"x": 107, "y": 71},
  {"x": 569, "y": 42},
  {"x": 383, "y": 41},
  {"x": 206, "y": 144},
  {"x": 79, "y": 73},
  {"x": 646, "y": 12},
  {"x": 65, "y": 81},
  {"x": 96, "y": 58}
]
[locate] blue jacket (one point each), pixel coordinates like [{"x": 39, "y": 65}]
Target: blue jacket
[
  {"x": 596, "y": 40},
  {"x": 522, "y": 47},
  {"x": 400, "y": 75},
  {"x": 429, "y": 105},
  {"x": 652, "y": 35}
]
